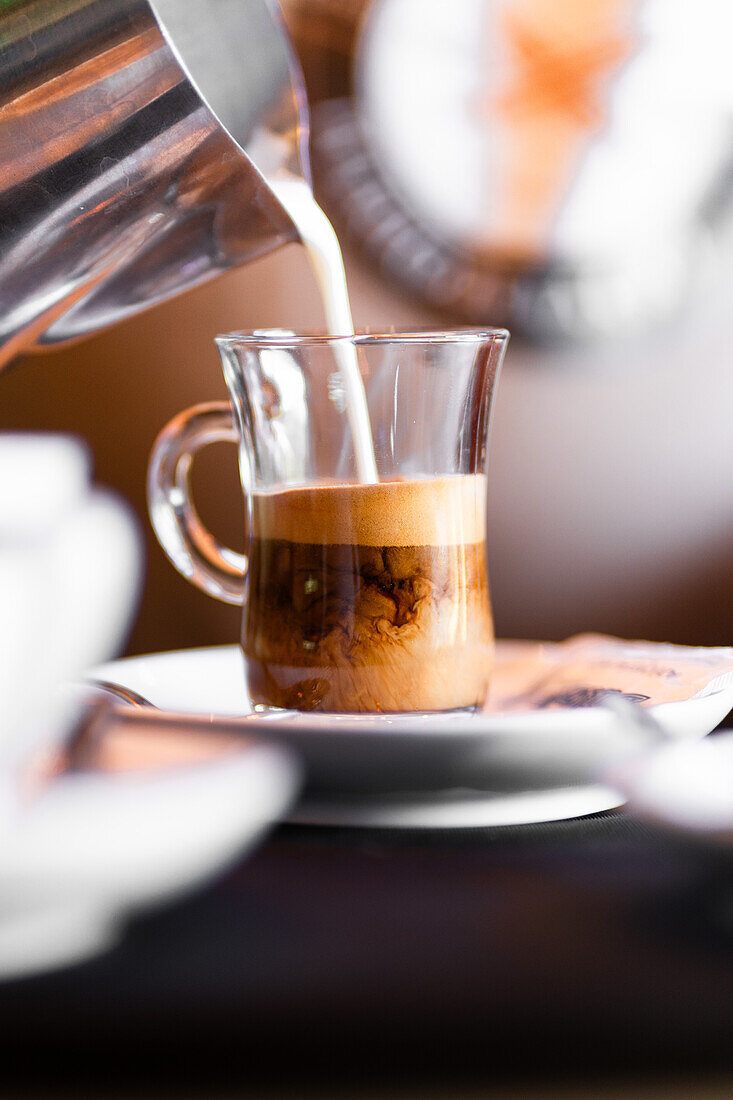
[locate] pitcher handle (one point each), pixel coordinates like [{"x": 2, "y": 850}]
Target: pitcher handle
[{"x": 192, "y": 549}]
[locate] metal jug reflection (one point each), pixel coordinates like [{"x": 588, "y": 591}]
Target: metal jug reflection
[{"x": 137, "y": 139}]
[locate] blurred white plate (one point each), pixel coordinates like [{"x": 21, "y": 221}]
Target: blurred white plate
[
  {"x": 424, "y": 771},
  {"x": 92, "y": 847},
  {"x": 687, "y": 788}
]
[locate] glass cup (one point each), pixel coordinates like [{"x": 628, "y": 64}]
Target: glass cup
[{"x": 357, "y": 597}]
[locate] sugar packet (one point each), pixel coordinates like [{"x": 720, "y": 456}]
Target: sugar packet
[{"x": 581, "y": 670}]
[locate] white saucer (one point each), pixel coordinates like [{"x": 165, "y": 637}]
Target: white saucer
[
  {"x": 430, "y": 771},
  {"x": 457, "y": 809}
]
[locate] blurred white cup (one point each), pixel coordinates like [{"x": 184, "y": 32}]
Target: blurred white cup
[{"x": 70, "y": 567}]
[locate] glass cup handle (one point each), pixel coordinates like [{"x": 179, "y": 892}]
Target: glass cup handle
[{"x": 193, "y": 550}]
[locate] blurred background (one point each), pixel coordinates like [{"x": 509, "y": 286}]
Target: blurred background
[{"x": 560, "y": 167}]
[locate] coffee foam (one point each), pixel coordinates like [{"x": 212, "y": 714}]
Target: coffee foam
[{"x": 442, "y": 511}]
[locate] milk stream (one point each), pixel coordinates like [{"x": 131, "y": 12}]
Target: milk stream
[{"x": 324, "y": 253}]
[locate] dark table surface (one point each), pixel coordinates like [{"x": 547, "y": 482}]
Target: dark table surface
[{"x": 591, "y": 946}]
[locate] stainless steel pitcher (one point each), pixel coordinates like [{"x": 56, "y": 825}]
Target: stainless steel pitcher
[{"x": 137, "y": 139}]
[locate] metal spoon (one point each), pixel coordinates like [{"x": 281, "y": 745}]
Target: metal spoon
[{"x": 124, "y": 694}]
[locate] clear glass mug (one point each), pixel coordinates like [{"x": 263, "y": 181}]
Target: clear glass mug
[{"x": 356, "y": 597}]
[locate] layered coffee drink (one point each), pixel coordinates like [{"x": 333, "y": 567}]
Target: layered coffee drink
[{"x": 370, "y": 597}]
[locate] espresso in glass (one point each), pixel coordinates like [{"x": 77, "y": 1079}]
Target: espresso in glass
[
  {"x": 369, "y": 597},
  {"x": 363, "y": 464}
]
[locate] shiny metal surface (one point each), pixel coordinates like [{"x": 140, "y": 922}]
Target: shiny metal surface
[
  {"x": 121, "y": 694},
  {"x": 136, "y": 139}
]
